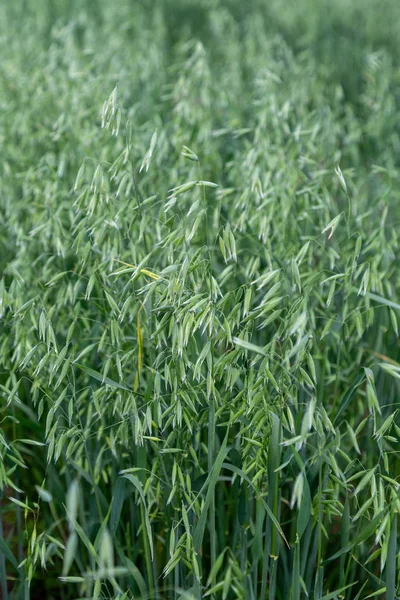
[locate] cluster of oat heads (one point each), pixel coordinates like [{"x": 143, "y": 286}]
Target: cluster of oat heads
[{"x": 199, "y": 302}]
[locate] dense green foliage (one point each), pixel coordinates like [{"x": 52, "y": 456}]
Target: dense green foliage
[{"x": 199, "y": 298}]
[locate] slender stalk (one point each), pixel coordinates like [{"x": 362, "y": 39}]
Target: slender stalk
[
  {"x": 146, "y": 548},
  {"x": 211, "y": 455},
  {"x": 391, "y": 571},
  {"x": 3, "y": 573}
]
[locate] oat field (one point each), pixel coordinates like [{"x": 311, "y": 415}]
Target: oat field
[{"x": 199, "y": 299}]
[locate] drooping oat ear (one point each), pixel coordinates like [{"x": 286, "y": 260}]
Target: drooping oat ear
[
  {"x": 111, "y": 113},
  {"x": 188, "y": 153},
  {"x": 147, "y": 158},
  {"x": 341, "y": 178},
  {"x": 330, "y": 228}
]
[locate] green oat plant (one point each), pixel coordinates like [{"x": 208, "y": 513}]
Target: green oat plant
[{"x": 199, "y": 300}]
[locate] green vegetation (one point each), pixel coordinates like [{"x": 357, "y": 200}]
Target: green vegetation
[{"x": 199, "y": 299}]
